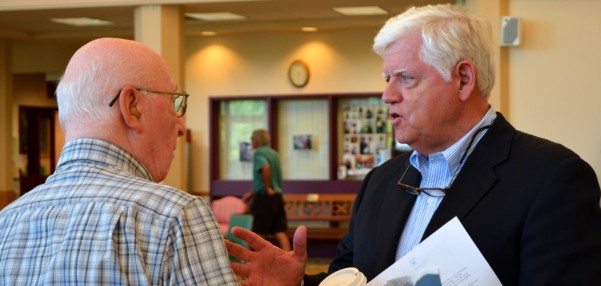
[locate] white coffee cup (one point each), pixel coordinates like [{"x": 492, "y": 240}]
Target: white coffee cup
[{"x": 345, "y": 277}]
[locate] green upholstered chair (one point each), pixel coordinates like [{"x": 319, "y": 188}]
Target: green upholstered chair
[{"x": 240, "y": 220}]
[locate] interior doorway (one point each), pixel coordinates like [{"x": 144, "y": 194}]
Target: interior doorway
[{"x": 37, "y": 145}]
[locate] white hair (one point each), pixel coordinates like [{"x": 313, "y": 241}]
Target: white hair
[{"x": 449, "y": 34}]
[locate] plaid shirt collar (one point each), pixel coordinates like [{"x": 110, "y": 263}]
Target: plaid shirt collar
[{"x": 100, "y": 152}]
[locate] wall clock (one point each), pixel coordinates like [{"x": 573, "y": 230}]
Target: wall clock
[{"x": 298, "y": 73}]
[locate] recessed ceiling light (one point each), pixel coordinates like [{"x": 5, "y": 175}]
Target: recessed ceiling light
[
  {"x": 208, "y": 33},
  {"x": 361, "y": 11},
  {"x": 309, "y": 29},
  {"x": 82, "y": 21},
  {"x": 218, "y": 16}
]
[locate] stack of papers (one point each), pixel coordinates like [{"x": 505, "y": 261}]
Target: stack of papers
[{"x": 448, "y": 257}]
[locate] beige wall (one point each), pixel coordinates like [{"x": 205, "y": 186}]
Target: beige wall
[
  {"x": 550, "y": 89},
  {"x": 50, "y": 59},
  {"x": 554, "y": 76},
  {"x": 237, "y": 65}
]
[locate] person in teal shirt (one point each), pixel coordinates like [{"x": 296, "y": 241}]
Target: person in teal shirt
[{"x": 267, "y": 205}]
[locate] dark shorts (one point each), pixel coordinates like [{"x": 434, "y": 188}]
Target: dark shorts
[{"x": 269, "y": 214}]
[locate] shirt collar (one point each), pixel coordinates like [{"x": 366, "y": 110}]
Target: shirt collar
[{"x": 100, "y": 152}]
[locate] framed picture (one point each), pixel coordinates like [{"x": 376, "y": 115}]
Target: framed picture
[
  {"x": 302, "y": 142},
  {"x": 246, "y": 151}
]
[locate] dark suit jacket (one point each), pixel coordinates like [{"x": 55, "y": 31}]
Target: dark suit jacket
[{"x": 530, "y": 205}]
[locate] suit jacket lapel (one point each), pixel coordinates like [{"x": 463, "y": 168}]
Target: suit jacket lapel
[
  {"x": 476, "y": 177},
  {"x": 395, "y": 212}
]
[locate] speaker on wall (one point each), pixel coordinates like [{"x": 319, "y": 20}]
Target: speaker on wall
[{"x": 510, "y": 31}]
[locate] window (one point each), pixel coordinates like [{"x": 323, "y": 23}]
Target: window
[
  {"x": 237, "y": 120},
  {"x": 317, "y": 120}
]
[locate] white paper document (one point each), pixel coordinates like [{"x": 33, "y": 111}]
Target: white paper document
[{"x": 450, "y": 252}]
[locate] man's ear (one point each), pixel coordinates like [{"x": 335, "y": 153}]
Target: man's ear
[
  {"x": 467, "y": 73},
  {"x": 129, "y": 101}
]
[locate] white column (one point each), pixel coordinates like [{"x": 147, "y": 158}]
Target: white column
[
  {"x": 493, "y": 10},
  {"x": 162, "y": 28}
]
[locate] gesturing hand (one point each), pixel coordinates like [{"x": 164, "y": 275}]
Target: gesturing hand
[{"x": 267, "y": 264}]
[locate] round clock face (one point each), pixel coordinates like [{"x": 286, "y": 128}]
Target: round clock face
[{"x": 298, "y": 73}]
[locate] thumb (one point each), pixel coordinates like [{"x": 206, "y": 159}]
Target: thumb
[{"x": 299, "y": 242}]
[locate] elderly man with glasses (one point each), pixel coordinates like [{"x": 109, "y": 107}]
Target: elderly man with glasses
[{"x": 103, "y": 218}]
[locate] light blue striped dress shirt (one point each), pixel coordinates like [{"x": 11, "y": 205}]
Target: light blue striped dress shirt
[
  {"x": 437, "y": 171},
  {"x": 100, "y": 220}
]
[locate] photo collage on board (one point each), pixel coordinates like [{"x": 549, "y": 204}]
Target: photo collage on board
[{"x": 364, "y": 136}]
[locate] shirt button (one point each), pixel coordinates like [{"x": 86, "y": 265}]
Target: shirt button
[{"x": 430, "y": 200}]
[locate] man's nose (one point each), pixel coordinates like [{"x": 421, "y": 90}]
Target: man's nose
[{"x": 391, "y": 93}]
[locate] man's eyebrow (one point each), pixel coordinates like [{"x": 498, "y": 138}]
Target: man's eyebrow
[
  {"x": 398, "y": 71},
  {"x": 394, "y": 73}
]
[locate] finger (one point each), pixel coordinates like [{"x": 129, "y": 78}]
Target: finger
[
  {"x": 299, "y": 242},
  {"x": 237, "y": 250},
  {"x": 254, "y": 240}
]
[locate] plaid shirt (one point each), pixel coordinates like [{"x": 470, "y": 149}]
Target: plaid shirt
[{"x": 100, "y": 220}]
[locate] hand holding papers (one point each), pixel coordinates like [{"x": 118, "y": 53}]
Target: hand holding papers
[{"x": 450, "y": 253}]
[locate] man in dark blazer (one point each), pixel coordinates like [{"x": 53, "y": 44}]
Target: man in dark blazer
[{"x": 531, "y": 206}]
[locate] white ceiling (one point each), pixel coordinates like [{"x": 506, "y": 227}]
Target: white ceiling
[{"x": 29, "y": 20}]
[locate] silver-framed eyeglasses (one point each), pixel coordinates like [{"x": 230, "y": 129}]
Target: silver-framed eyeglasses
[
  {"x": 437, "y": 191},
  {"x": 179, "y": 99}
]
